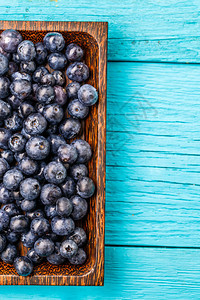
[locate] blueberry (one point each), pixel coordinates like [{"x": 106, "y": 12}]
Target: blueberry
[
  {"x": 50, "y": 193},
  {"x": 28, "y": 239},
  {"x": 41, "y": 53},
  {"x": 15, "y": 58},
  {"x": 85, "y": 187},
  {"x": 9, "y": 254},
  {"x": 57, "y": 61},
  {"x": 12, "y": 237},
  {"x": 54, "y": 41},
  {"x": 62, "y": 226},
  {"x": 9, "y": 40},
  {"x": 33, "y": 256},
  {"x": 48, "y": 79},
  {"x": 55, "y": 173},
  {"x": 4, "y": 137},
  {"x": 26, "y": 50},
  {"x": 87, "y": 95},
  {"x": 2, "y": 51},
  {"x": 37, "y": 148},
  {"x": 45, "y": 94},
  {"x": 44, "y": 247},
  {"x": 4, "y": 220},
  {"x": 19, "y": 156},
  {"x": 25, "y": 109},
  {"x": 38, "y": 213},
  {"x": 12, "y": 68},
  {"x": 28, "y": 166},
  {"x": 80, "y": 207},
  {"x": 14, "y": 122},
  {"x": 83, "y": 149},
  {"x": 14, "y": 101},
  {"x": 68, "y": 187},
  {"x": 20, "y": 88},
  {"x": 19, "y": 224},
  {"x": 68, "y": 248},
  {"x": 78, "y": 236},
  {"x": 19, "y": 76},
  {"x": 28, "y": 205},
  {"x": 30, "y": 188},
  {"x": 59, "y": 77},
  {"x": 3, "y": 64},
  {"x": 67, "y": 153},
  {"x": 4, "y": 87},
  {"x": 79, "y": 258},
  {"x": 72, "y": 90},
  {"x": 50, "y": 211},
  {"x": 5, "y": 110},
  {"x": 40, "y": 173},
  {"x": 23, "y": 265},
  {"x": 4, "y": 166},
  {"x": 60, "y": 95},
  {"x": 40, "y": 107},
  {"x": 35, "y": 124},
  {"x": 74, "y": 52},
  {"x": 70, "y": 128},
  {"x": 77, "y": 110},
  {"x": 78, "y": 171},
  {"x": 64, "y": 207},
  {"x": 53, "y": 113},
  {"x": 12, "y": 179},
  {"x": 56, "y": 258},
  {"x": 40, "y": 226},
  {"x": 2, "y": 242},
  {"x": 39, "y": 73},
  {"x": 11, "y": 209},
  {"x": 78, "y": 71},
  {"x": 56, "y": 141},
  {"x": 7, "y": 155},
  {"x": 27, "y": 66},
  {"x": 17, "y": 142},
  {"x": 5, "y": 195}
]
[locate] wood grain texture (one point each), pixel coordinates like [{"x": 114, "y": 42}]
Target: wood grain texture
[
  {"x": 153, "y": 160},
  {"x": 130, "y": 273},
  {"x": 93, "y": 38},
  {"x": 138, "y": 30}
]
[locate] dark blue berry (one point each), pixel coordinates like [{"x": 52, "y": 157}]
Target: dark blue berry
[
  {"x": 77, "y": 110},
  {"x": 64, "y": 207},
  {"x": 85, "y": 187},
  {"x": 26, "y": 50},
  {"x": 25, "y": 109},
  {"x": 59, "y": 77},
  {"x": 34, "y": 257},
  {"x": 54, "y": 41},
  {"x": 78, "y": 236},
  {"x": 87, "y": 95},
  {"x": 23, "y": 266},
  {"x": 28, "y": 239},
  {"x": 12, "y": 179},
  {"x": 53, "y": 113},
  {"x": 56, "y": 258},
  {"x": 68, "y": 187},
  {"x": 4, "y": 87},
  {"x": 28, "y": 166},
  {"x": 48, "y": 79},
  {"x": 7, "y": 155},
  {"x": 55, "y": 173},
  {"x": 5, "y": 110},
  {"x": 9, "y": 40},
  {"x": 68, "y": 248},
  {"x": 70, "y": 128},
  {"x": 74, "y": 52},
  {"x": 80, "y": 207},
  {"x": 78, "y": 71},
  {"x": 4, "y": 166},
  {"x": 83, "y": 149},
  {"x": 3, "y": 64},
  {"x": 27, "y": 67},
  {"x": 44, "y": 247},
  {"x": 60, "y": 95},
  {"x": 45, "y": 94},
  {"x": 5, "y": 195},
  {"x": 19, "y": 76},
  {"x": 40, "y": 226},
  {"x": 57, "y": 61},
  {"x": 15, "y": 58},
  {"x": 4, "y": 220},
  {"x": 50, "y": 211},
  {"x": 50, "y": 193},
  {"x": 78, "y": 171},
  {"x": 20, "y": 88},
  {"x": 35, "y": 124},
  {"x": 56, "y": 141},
  {"x": 19, "y": 156},
  {"x": 12, "y": 68},
  {"x": 9, "y": 254},
  {"x": 28, "y": 205},
  {"x": 12, "y": 237},
  {"x": 72, "y": 90},
  {"x": 2, "y": 242},
  {"x": 40, "y": 173},
  {"x": 79, "y": 258},
  {"x": 67, "y": 153},
  {"x": 39, "y": 73},
  {"x": 17, "y": 142},
  {"x": 2, "y": 51},
  {"x": 62, "y": 226},
  {"x": 14, "y": 101},
  {"x": 19, "y": 224},
  {"x": 11, "y": 209},
  {"x": 14, "y": 123},
  {"x": 41, "y": 53},
  {"x": 30, "y": 188},
  {"x": 4, "y": 138},
  {"x": 37, "y": 148}
]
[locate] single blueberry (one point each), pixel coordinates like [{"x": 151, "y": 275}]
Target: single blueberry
[
  {"x": 62, "y": 226},
  {"x": 80, "y": 207},
  {"x": 17, "y": 142},
  {"x": 68, "y": 187},
  {"x": 60, "y": 95},
  {"x": 48, "y": 79},
  {"x": 4, "y": 87},
  {"x": 27, "y": 67},
  {"x": 70, "y": 128},
  {"x": 77, "y": 110},
  {"x": 45, "y": 94},
  {"x": 4, "y": 220},
  {"x": 28, "y": 166},
  {"x": 87, "y": 95},
  {"x": 78, "y": 236},
  {"x": 40, "y": 226},
  {"x": 5, "y": 195},
  {"x": 39, "y": 73},
  {"x": 78, "y": 171},
  {"x": 67, "y": 153},
  {"x": 19, "y": 224},
  {"x": 54, "y": 41},
  {"x": 33, "y": 256},
  {"x": 79, "y": 258},
  {"x": 35, "y": 124},
  {"x": 50, "y": 193},
  {"x": 55, "y": 172},
  {"x": 68, "y": 248},
  {"x": 30, "y": 188},
  {"x": 9, "y": 40},
  {"x": 26, "y": 50},
  {"x": 28, "y": 239},
  {"x": 83, "y": 149},
  {"x": 14, "y": 101},
  {"x": 12, "y": 179},
  {"x": 64, "y": 207},
  {"x": 4, "y": 166},
  {"x": 5, "y": 110},
  {"x": 57, "y": 61},
  {"x": 19, "y": 76},
  {"x": 85, "y": 187},
  {"x": 72, "y": 90},
  {"x": 53, "y": 113},
  {"x": 4, "y": 138},
  {"x": 7, "y": 155},
  {"x": 50, "y": 211},
  {"x": 59, "y": 77},
  {"x": 37, "y": 148},
  {"x": 74, "y": 52},
  {"x": 56, "y": 258},
  {"x": 41, "y": 53},
  {"x": 28, "y": 205},
  {"x": 23, "y": 266},
  {"x": 25, "y": 109},
  {"x": 9, "y": 254},
  {"x": 14, "y": 123},
  {"x": 20, "y": 88},
  {"x": 44, "y": 247},
  {"x": 78, "y": 71}
]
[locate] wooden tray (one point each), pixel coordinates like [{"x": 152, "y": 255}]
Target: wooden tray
[{"x": 92, "y": 36}]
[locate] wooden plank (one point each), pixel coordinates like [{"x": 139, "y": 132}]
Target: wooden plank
[
  {"x": 130, "y": 273},
  {"x": 153, "y": 161},
  {"x": 138, "y": 30}
]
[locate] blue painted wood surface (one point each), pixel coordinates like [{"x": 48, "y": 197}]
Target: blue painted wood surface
[{"x": 153, "y": 146}]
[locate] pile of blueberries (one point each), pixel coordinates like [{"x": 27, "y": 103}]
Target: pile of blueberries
[{"x": 44, "y": 183}]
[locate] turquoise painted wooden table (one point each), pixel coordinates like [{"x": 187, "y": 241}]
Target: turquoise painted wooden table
[{"x": 153, "y": 146}]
